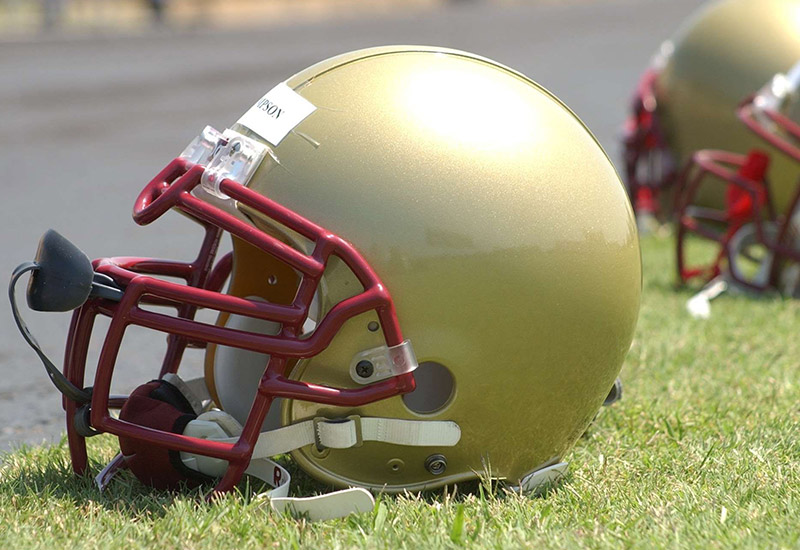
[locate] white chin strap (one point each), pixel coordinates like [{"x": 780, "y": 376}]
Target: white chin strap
[
  {"x": 343, "y": 433},
  {"x": 219, "y": 426},
  {"x": 699, "y": 305}
]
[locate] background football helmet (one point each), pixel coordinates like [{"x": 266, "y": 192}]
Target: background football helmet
[
  {"x": 435, "y": 272},
  {"x": 758, "y": 243},
  {"x": 687, "y": 100}
]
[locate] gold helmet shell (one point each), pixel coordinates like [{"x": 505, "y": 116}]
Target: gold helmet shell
[
  {"x": 723, "y": 53},
  {"x": 503, "y": 233}
]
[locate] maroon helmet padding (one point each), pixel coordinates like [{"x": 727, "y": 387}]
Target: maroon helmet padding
[{"x": 159, "y": 405}]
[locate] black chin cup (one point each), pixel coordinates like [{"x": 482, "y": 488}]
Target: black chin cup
[{"x": 62, "y": 279}]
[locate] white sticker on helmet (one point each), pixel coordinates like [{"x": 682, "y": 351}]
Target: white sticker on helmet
[{"x": 277, "y": 113}]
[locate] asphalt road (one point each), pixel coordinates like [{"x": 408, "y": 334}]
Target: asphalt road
[{"x": 86, "y": 122}]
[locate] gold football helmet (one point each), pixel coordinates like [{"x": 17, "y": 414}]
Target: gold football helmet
[
  {"x": 756, "y": 245},
  {"x": 687, "y": 100},
  {"x": 435, "y": 273}
]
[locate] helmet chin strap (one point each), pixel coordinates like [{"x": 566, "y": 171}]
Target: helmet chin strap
[
  {"x": 333, "y": 505},
  {"x": 699, "y": 305},
  {"x": 217, "y": 425}
]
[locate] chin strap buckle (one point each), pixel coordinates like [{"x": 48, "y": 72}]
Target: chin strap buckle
[{"x": 342, "y": 433}]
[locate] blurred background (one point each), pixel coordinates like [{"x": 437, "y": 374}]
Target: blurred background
[
  {"x": 21, "y": 17},
  {"x": 96, "y": 96}
]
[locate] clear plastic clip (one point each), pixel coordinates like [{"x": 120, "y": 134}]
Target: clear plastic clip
[
  {"x": 383, "y": 362},
  {"x": 228, "y": 155},
  {"x": 778, "y": 92},
  {"x": 201, "y": 148}
]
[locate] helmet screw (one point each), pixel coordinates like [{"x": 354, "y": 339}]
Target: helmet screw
[
  {"x": 364, "y": 369},
  {"x": 436, "y": 464}
]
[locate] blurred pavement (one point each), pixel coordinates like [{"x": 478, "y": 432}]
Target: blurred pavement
[{"x": 20, "y": 19}]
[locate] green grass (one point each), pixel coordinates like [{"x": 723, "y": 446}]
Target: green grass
[{"x": 702, "y": 452}]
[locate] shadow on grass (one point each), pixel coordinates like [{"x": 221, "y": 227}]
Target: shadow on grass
[
  {"x": 687, "y": 291},
  {"x": 45, "y": 473}
]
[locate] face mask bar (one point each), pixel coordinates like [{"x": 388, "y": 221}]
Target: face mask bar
[
  {"x": 749, "y": 204},
  {"x": 746, "y": 198},
  {"x": 172, "y": 188},
  {"x": 784, "y": 134}
]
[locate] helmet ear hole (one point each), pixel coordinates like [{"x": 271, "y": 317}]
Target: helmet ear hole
[{"x": 435, "y": 388}]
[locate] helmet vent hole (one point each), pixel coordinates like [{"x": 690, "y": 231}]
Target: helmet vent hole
[{"x": 435, "y": 388}]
